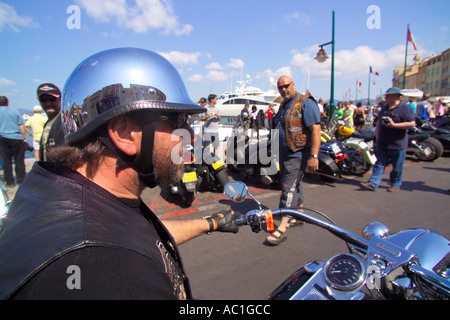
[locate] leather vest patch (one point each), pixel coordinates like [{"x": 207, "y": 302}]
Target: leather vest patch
[{"x": 297, "y": 135}]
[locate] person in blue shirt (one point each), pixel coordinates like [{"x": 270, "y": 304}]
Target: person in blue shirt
[
  {"x": 12, "y": 143},
  {"x": 298, "y": 124},
  {"x": 412, "y": 105}
]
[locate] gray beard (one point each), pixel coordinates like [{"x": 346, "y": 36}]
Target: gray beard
[{"x": 167, "y": 172}]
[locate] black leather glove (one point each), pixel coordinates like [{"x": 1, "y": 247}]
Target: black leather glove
[{"x": 223, "y": 221}]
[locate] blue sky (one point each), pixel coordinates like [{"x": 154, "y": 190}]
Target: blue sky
[{"x": 215, "y": 43}]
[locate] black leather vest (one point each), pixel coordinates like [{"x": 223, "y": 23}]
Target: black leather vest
[{"x": 52, "y": 215}]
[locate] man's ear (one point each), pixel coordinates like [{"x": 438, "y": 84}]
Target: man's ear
[{"x": 125, "y": 135}]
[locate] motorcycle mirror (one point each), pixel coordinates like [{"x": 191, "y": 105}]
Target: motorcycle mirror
[
  {"x": 236, "y": 191},
  {"x": 375, "y": 229}
]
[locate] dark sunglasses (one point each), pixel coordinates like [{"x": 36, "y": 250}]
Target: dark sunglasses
[
  {"x": 176, "y": 120},
  {"x": 51, "y": 99},
  {"x": 285, "y": 86}
]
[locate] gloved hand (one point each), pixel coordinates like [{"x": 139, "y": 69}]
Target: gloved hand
[{"x": 223, "y": 221}]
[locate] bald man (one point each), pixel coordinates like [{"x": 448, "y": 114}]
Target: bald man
[{"x": 298, "y": 124}]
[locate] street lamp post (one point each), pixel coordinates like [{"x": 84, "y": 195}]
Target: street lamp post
[{"x": 322, "y": 57}]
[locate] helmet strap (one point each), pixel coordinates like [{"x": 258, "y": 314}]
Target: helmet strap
[
  {"x": 141, "y": 163},
  {"x": 144, "y": 160}
]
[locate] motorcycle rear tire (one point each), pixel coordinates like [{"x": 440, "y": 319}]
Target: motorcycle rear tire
[
  {"x": 357, "y": 162},
  {"x": 221, "y": 179},
  {"x": 436, "y": 149},
  {"x": 187, "y": 197}
]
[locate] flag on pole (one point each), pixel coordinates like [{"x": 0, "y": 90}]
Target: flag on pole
[
  {"x": 411, "y": 39},
  {"x": 374, "y": 72},
  {"x": 358, "y": 84}
]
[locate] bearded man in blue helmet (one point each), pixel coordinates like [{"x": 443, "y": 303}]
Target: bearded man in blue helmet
[{"x": 82, "y": 215}]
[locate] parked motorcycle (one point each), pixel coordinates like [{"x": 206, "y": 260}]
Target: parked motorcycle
[
  {"x": 438, "y": 131},
  {"x": 423, "y": 145},
  {"x": 211, "y": 172},
  {"x": 187, "y": 187},
  {"x": 420, "y": 143},
  {"x": 331, "y": 161},
  {"x": 360, "y": 143},
  {"x": 356, "y": 154},
  {"x": 207, "y": 171},
  {"x": 442, "y": 122},
  {"x": 412, "y": 264},
  {"x": 202, "y": 170},
  {"x": 255, "y": 158},
  {"x": 260, "y": 162}
]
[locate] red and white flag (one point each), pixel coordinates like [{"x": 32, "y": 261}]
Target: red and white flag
[
  {"x": 358, "y": 84},
  {"x": 411, "y": 39}
]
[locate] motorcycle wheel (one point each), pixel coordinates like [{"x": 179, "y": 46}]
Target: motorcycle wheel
[
  {"x": 221, "y": 179},
  {"x": 357, "y": 162},
  {"x": 435, "y": 146},
  {"x": 187, "y": 197}
]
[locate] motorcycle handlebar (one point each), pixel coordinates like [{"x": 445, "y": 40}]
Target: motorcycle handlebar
[{"x": 259, "y": 218}]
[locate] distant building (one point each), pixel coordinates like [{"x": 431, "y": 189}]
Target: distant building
[{"x": 430, "y": 75}]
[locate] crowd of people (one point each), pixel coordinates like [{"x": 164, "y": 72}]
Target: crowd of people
[{"x": 356, "y": 116}]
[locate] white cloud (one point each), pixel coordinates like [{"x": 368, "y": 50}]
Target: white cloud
[
  {"x": 268, "y": 73},
  {"x": 196, "y": 78},
  {"x": 218, "y": 73},
  {"x": 214, "y": 66},
  {"x": 9, "y": 19},
  {"x": 214, "y": 75},
  {"x": 300, "y": 17},
  {"x": 181, "y": 58},
  {"x": 143, "y": 16},
  {"x": 6, "y": 82},
  {"x": 348, "y": 63},
  {"x": 236, "y": 63}
]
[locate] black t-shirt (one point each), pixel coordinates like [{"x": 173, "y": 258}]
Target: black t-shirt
[
  {"x": 393, "y": 138},
  {"x": 105, "y": 272}
]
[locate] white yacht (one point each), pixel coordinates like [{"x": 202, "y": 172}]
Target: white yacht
[{"x": 230, "y": 104}]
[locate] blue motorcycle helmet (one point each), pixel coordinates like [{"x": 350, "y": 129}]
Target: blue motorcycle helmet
[{"x": 117, "y": 82}]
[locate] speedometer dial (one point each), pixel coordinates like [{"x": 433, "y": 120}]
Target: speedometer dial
[{"x": 345, "y": 272}]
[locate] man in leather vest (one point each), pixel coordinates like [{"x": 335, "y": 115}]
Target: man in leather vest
[
  {"x": 298, "y": 125},
  {"x": 77, "y": 228}
]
